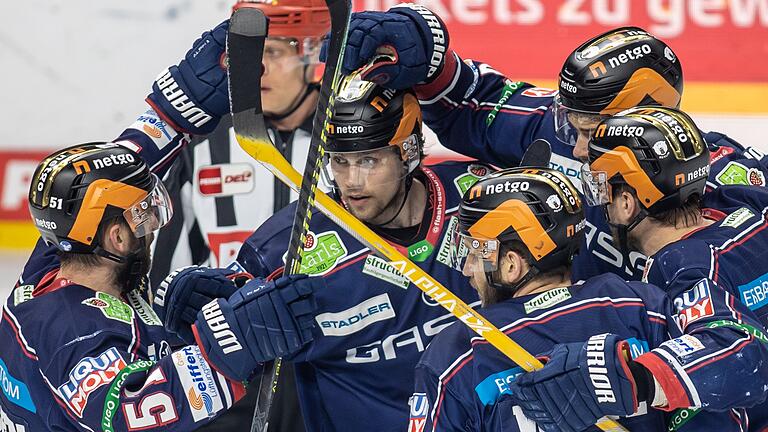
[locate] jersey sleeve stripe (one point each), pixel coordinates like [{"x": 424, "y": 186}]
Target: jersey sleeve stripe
[{"x": 16, "y": 328}]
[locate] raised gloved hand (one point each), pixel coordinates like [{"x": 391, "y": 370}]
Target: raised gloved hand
[
  {"x": 192, "y": 97},
  {"x": 185, "y": 291},
  {"x": 416, "y": 37},
  {"x": 260, "y": 322},
  {"x": 580, "y": 383}
]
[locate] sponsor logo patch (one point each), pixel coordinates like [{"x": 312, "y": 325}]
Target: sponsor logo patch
[
  {"x": 357, "y": 317},
  {"x": 322, "y": 252},
  {"x": 198, "y": 381},
  {"x": 419, "y": 407},
  {"x": 142, "y": 309},
  {"x": 719, "y": 154},
  {"x": 420, "y": 251},
  {"x": 444, "y": 253},
  {"x": 754, "y": 294},
  {"x": 225, "y": 179},
  {"x": 684, "y": 346},
  {"x": 510, "y": 87},
  {"x": 539, "y": 92},
  {"x": 737, "y": 218},
  {"x": 154, "y": 127},
  {"x": 381, "y": 269},
  {"x": 735, "y": 173},
  {"x": 112, "y": 307},
  {"x": 694, "y": 304},
  {"x": 22, "y": 294},
  {"x": 474, "y": 173},
  {"x": 88, "y": 375},
  {"x": 15, "y": 390},
  {"x": 547, "y": 299},
  {"x": 492, "y": 387}
]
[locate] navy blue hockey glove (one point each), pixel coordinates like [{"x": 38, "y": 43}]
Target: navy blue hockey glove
[
  {"x": 193, "y": 96},
  {"x": 580, "y": 383},
  {"x": 260, "y": 322},
  {"x": 416, "y": 37},
  {"x": 185, "y": 291}
]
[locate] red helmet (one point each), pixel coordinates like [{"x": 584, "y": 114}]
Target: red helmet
[{"x": 293, "y": 18}]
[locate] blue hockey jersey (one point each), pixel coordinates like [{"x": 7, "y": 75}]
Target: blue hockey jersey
[
  {"x": 461, "y": 380},
  {"x": 475, "y": 111},
  {"x": 72, "y": 358},
  {"x": 372, "y": 324}
]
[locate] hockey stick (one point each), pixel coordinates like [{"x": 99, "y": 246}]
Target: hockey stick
[
  {"x": 246, "y": 37},
  {"x": 248, "y": 120}
]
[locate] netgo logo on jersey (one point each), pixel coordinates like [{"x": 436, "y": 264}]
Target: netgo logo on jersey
[
  {"x": 88, "y": 375},
  {"x": 694, "y": 304},
  {"x": 225, "y": 179}
]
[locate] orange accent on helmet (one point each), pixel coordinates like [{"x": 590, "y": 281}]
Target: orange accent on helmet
[
  {"x": 644, "y": 82},
  {"x": 622, "y": 161},
  {"x": 518, "y": 215},
  {"x": 100, "y": 194},
  {"x": 293, "y": 18}
]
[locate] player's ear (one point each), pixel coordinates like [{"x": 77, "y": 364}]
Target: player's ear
[
  {"x": 512, "y": 267},
  {"x": 628, "y": 205},
  {"x": 118, "y": 238}
]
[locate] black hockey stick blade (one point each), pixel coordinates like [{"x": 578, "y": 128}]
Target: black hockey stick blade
[
  {"x": 245, "y": 48},
  {"x": 537, "y": 154}
]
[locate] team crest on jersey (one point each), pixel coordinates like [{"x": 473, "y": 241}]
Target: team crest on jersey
[
  {"x": 694, "y": 304},
  {"x": 225, "y": 179},
  {"x": 87, "y": 376},
  {"x": 419, "y": 405},
  {"x": 322, "y": 252},
  {"x": 112, "y": 307}
]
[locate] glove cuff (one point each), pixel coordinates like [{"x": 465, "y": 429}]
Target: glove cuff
[{"x": 433, "y": 31}]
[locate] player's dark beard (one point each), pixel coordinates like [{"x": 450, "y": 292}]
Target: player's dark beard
[{"x": 132, "y": 274}]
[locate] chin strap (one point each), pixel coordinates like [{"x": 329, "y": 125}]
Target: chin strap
[
  {"x": 623, "y": 231},
  {"x": 408, "y": 184},
  {"x": 307, "y": 91},
  {"x": 133, "y": 275},
  {"x": 512, "y": 288}
]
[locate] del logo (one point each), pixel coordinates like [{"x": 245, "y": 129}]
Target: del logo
[
  {"x": 694, "y": 304},
  {"x": 225, "y": 179},
  {"x": 538, "y": 92},
  {"x": 321, "y": 252},
  {"x": 357, "y": 317},
  {"x": 419, "y": 405},
  {"x": 112, "y": 307},
  {"x": 88, "y": 375}
]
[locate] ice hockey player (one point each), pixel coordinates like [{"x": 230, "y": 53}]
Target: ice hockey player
[
  {"x": 475, "y": 111},
  {"x": 517, "y": 234},
  {"x": 650, "y": 183},
  {"x": 371, "y": 327},
  {"x": 80, "y": 349},
  {"x": 216, "y": 182}
]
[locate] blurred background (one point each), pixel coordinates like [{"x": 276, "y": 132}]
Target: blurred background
[{"x": 78, "y": 70}]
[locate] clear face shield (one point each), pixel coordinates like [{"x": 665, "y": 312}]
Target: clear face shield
[
  {"x": 370, "y": 168},
  {"x": 597, "y": 190},
  {"x": 570, "y": 123},
  {"x": 150, "y": 213},
  {"x": 292, "y": 53},
  {"x": 473, "y": 254}
]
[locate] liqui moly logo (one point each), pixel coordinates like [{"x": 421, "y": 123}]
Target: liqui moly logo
[{"x": 88, "y": 375}]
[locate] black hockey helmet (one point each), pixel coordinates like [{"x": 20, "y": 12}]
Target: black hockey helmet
[
  {"x": 614, "y": 71},
  {"x": 367, "y": 117},
  {"x": 538, "y": 207},
  {"x": 76, "y": 189},
  {"x": 657, "y": 151}
]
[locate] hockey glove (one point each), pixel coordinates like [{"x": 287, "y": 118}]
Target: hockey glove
[
  {"x": 193, "y": 96},
  {"x": 578, "y": 385},
  {"x": 416, "y": 37},
  {"x": 183, "y": 293},
  {"x": 260, "y": 322}
]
